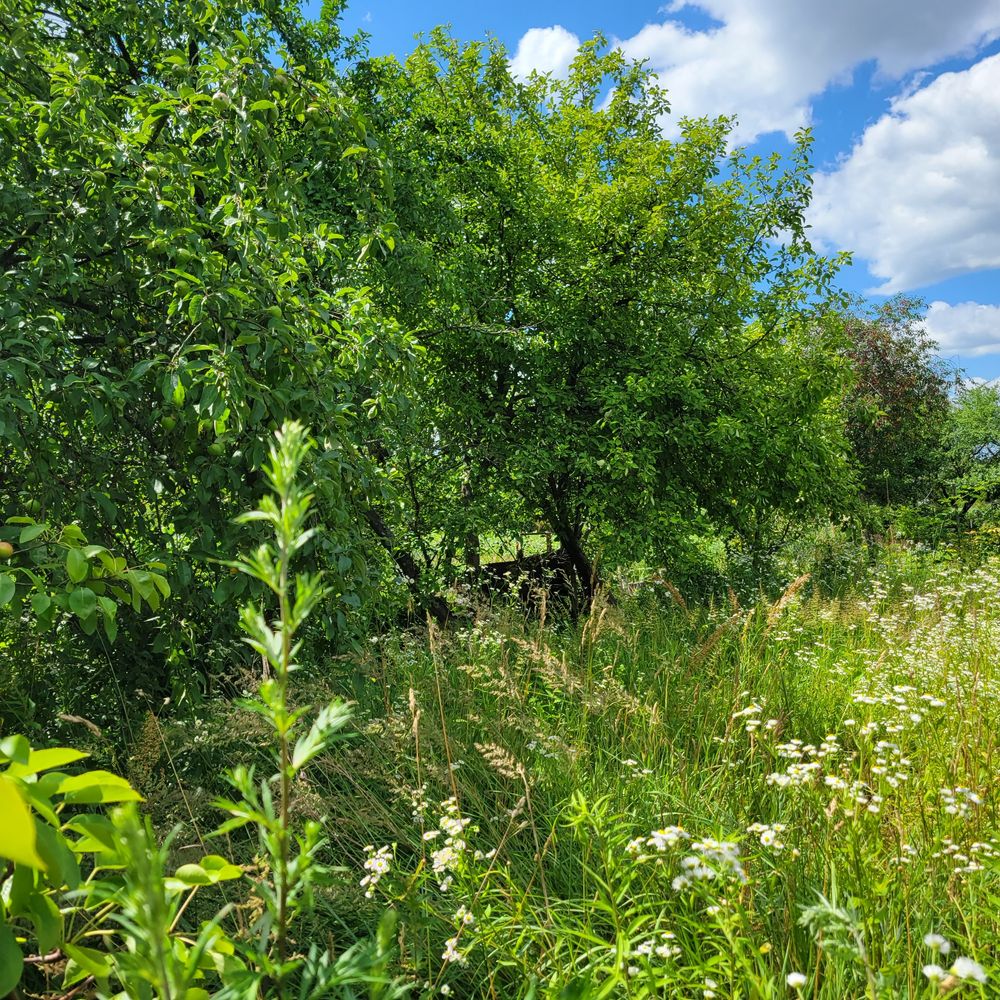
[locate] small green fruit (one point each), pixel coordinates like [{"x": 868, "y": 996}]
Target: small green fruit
[
  {"x": 216, "y": 448},
  {"x": 182, "y": 287},
  {"x": 168, "y": 423},
  {"x": 274, "y": 312},
  {"x": 33, "y": 507},
  {"x": 100, "y": 177},
  {"x": 6, "y": 550}
]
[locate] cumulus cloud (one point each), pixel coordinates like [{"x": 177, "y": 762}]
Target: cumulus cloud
[
  {"x": 969, "y": 328},
  {"x": 547, "y": 50},
  {"x": 917, "y": 196},
  {"x": 765, "y": 61}
]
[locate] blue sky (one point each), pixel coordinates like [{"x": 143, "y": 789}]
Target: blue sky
[{"x": 903, "y": 97}]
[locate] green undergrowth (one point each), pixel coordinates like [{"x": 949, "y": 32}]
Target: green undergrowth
[{"x": 664, "y": 799}]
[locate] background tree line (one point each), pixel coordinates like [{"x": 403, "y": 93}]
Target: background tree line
[{"x": 497, "y": 303}]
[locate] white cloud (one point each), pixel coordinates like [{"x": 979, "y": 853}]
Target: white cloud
[
  {"x": 548, "y": 50},
  {"x": 765, "y": 61},
  {"x": 969, "y": 328},
  {"x": 917, "y": 196}
]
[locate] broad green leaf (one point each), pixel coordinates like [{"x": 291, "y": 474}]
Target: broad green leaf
[
  {"x": 18, "y": 842},
  {"x": 30, "y": 532},
  {"x": 83, "y": 602},
  {"x": 48, "y": 921},
  {"x": 11, "y": 961},
  {"x": 98, "y": 833},
  {"x": 61, "y": 864},
  {"x": 7, "y": 588},
  {"x": 187, "y": 876},
  {"x": 219, "y": 869},
  {"x": 85, "y": 962},
  {"x": 45, "y": 760},
  {"x": 98, "y": 786},
  {"x": 16, "y": 748},
  {"x": 77, "y": 565}
]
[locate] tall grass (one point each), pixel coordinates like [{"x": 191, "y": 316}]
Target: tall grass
[{"x": 793, "y": 798}]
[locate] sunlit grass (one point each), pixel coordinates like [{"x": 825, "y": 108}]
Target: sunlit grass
[{"x": 688, "y": 801}]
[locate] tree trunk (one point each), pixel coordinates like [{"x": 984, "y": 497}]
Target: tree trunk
[
  {"x": 434, "y": 604},
  {"x": 571, "y": 543}
]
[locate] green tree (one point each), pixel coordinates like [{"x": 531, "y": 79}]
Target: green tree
[
  {"x": 183, "y": 199},
  {"x": 624, "y": 334},
  {"x": 971, "y": 468},
  {"x": 897, "y": 408}
]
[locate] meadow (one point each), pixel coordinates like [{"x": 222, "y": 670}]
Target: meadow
[{"x": 792, "y": 798}]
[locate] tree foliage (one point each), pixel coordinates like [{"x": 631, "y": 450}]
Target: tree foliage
[
  {"x": 624, "y": 332},
  {"x": 182, "y": 206},
  {"x": 897, "y": 408}
]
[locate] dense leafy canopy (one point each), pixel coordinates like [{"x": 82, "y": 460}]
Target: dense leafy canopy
[
  {"x": 624, "y": 333},
  {"x": 897, "y": 408},
  {"x": 182, "y": 206}
]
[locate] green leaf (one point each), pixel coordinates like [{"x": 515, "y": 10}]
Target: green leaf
[
  {"x": 7, "y": 588},
  {"x": 77, "y": 565},
  {"x": 98, "y": 833},
  {"x": 17, "y": 840},
  {"x": 98, "y": 786},
  {"x": 219, "y": 869},
  {"x": 83, "y": 602},
  {"x": 85, "y": 962},
  {"x": 332, "y": 718},
  {"x": 48, "y": 921},
  {"x": 16, "y": 748},
  {"x": 45, "y": 760},
  {"x": 60, "y": 862},
  {"x": 40, "y": 603},
  {"x": 30, "y": 532},
  {"x": 11, "y": 961}
]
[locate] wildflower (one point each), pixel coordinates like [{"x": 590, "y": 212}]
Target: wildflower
[
  {"x": 933, "y": 972},
  {"x": 796, "y": 980},
  {"x": 966, "y": 968},
  {"x": 710, "y": 987},
  {"x": 451, "y": 952},
  {"x": 937, "y": 943},
  {"x": 669, "y": 836},
  {"x": 377, "y": 864},
  {"x": 445, "y": 990},
  {"x": 464, "y": 916}
]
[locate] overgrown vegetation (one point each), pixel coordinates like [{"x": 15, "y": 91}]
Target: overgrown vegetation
[{"x": 721, "y": 724}]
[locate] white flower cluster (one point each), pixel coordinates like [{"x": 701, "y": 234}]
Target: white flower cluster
[
  {"x": 419, "y": 803},
  {"x": 769, "y": 834},
  {"x": 451, "y": 952},
  {"x": 959, "y": 801},
  {"x": 969, "y": 859},
  {"x": 963, "y": 968},
  {"x": 658, "y": 840},
  {"x": 377, "y": 864},
  {"x": 712, "y": 859},
  {"x": 807, "y": 761},
  {"x": 446, "y": 859},
  {"x": 662, "y": 946}
]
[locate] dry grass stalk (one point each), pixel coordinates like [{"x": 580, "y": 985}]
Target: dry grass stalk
[
  {"x": 500, "y": 760},
  {"x": 774, "y": 612}
]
